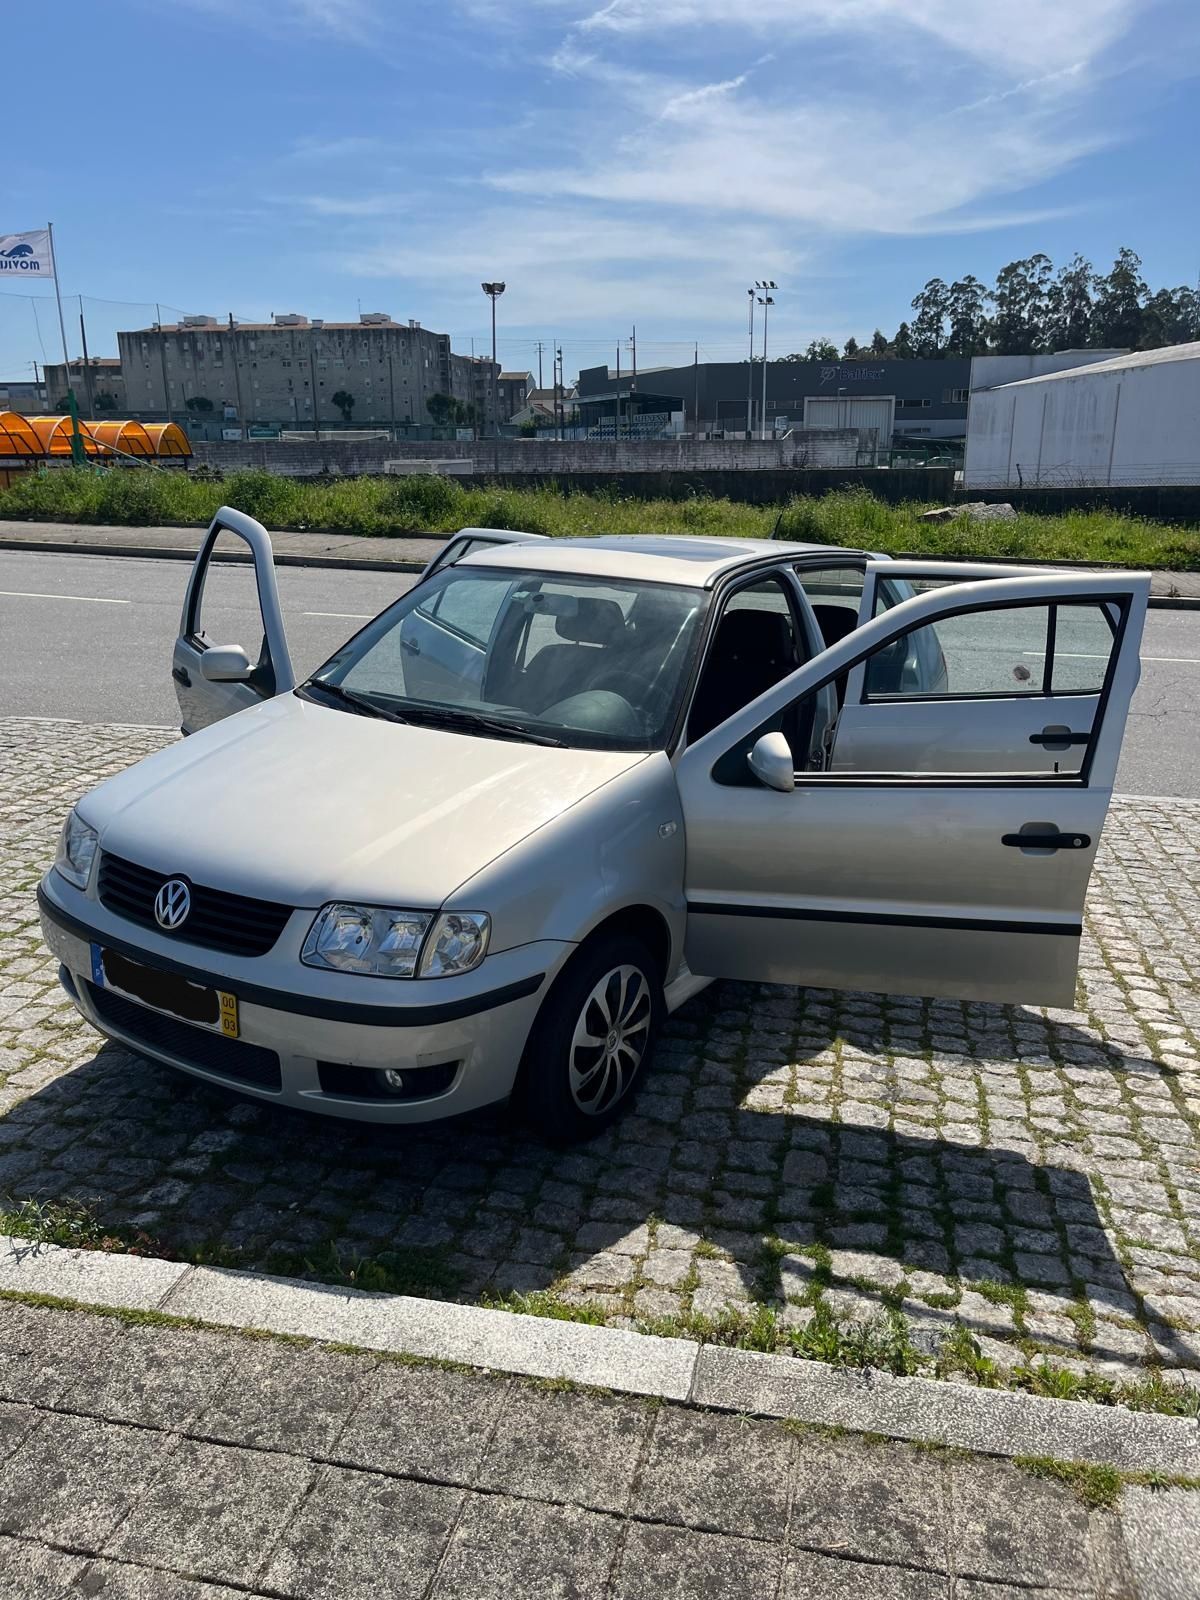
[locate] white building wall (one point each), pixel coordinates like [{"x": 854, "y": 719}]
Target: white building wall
[
  {"x": 1128, "y": 426},
  {"x": 988, "y": 372}
]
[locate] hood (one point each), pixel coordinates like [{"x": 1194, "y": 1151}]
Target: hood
[{"x": 300, "y": 803}]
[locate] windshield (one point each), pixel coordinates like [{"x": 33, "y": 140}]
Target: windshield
[{"x": 557, "y": 659}]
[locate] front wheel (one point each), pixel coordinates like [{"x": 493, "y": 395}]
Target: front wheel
[{"x": 592, "y": 1039}]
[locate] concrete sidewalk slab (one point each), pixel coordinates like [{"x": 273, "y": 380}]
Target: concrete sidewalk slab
[{"x": 998, "y": 1422}]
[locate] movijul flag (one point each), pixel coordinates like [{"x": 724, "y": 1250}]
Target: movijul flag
[{"x": 28, "y": 254}]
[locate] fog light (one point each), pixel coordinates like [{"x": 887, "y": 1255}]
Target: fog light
[{"x": 391, "y": 1080}]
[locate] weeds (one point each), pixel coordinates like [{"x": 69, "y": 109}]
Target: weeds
[
  {"x": 1099, "y": 1487},
  {"x": 428, "y": 504}
]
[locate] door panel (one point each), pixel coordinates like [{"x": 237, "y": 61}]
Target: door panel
[
  {"x": 201, "y": 702},
  {"x": 887, "y": 877}
]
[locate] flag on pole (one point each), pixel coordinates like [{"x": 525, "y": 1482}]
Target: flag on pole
[{"x": 28, "y": 253}]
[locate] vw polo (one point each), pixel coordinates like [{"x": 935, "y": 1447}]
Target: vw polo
[{"x": 560, "y": 785}]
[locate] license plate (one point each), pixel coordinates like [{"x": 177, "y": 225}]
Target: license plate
[{"x": 213, "y": 1009}]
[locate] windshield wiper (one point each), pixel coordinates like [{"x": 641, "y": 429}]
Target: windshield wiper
[
  {"x": 460, "y": 719},
  {"x": 360, "y": 703}
]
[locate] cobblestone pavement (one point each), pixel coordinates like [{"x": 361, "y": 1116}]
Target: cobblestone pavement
[
  {"x": 148, "y": 1463},
  {"x": 789, "y": 1149}
]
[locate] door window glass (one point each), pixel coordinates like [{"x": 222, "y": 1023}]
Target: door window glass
[
  {"x": 468, "y": 608},
  {"x": 1034, "y": 650},
  {"x": 227, "y": 608}
]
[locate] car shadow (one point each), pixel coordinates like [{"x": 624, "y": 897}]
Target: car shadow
[{"x": 717, "y": 1152}]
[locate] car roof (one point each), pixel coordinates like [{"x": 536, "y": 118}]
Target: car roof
[{"x": 660, "y": 558}]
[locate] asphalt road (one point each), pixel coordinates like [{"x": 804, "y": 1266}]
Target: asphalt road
[{"x": 89, "y": 638}]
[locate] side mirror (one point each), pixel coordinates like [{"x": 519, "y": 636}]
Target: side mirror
[
  {"x": 772, "y": 763},
  {"x": 225, "y": 663}
]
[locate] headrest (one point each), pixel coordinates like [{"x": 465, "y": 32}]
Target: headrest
[
  {"x": 757, "y": 631},
  {"x": 591, "y": 622}
]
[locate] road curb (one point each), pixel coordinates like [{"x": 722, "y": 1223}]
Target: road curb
[
  {"x": 366, "y": 564},
  {"x": 993, "y": 1422}
]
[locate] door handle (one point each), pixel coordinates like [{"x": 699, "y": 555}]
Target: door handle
[
  {"x": 1058, "y": 738},
  {"x": 411, "y": 646},
  {"x": 180, "y": 675},
  {"x": 1037, "y": 836}
]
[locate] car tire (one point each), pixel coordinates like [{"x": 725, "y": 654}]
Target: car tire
[{"x": 592, "y": 1039}]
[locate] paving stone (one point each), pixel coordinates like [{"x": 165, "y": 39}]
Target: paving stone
[
  {"x": 360, "y": 1537},
  {"x": 661, "y": 1563},
  {"x": 566, "y": 1446},
  {"x": 212, "y": 1512},
  {"x": 32, "y": 1572},
  {"x": 160, "y": 1377},
  {"x": 506, "y": 1549},
  {"x": 810, "y": 1576},
  {"x": 422, "y": 1420},
  {"x": 885, "y": 1503},
  {"x": 1011, "y": 1528},
  {"x": 276, "y": 1397},
  {"x": 715, "y": 1472},
  {"x": 72, "y": 1479}
]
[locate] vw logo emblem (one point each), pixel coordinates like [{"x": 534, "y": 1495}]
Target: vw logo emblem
[{"x": 172, "y": 904}]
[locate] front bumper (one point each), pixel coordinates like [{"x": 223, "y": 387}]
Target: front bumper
[{"x": 477, "y": 1025}]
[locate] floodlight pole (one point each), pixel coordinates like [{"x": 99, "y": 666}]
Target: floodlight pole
[
  {"x": 765, "y": 301},
  {"x": 77, "y": 457},
  {"x": 493, "y": 292}
]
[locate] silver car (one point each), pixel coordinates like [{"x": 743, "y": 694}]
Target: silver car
[{"x": 560, "y": 785}]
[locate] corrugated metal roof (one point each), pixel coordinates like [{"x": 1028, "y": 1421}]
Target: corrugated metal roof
[{"x": 1139, "y": 358}]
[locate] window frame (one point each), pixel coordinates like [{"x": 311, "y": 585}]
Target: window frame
[
  {"x": 729, "y": 768},
  {"x": 1047, "y": 690}
]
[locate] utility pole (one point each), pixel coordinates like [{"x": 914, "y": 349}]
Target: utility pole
[
  {"x": 617, "y": 435},
  {"x": 87, "y": 376},
  {"x": 766, "y": 302},
  {"x": 750, "y": 374},
  {"x": 540, "y": 347},
  {"x": 696, "y": 394}
]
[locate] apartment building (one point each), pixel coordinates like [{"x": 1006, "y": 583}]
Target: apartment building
[
  {"x": 99, "y": 386},
  {"x": 293, "y": 371}
]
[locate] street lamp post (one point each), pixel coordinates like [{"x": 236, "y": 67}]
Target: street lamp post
[
  {"x": 750, "y": 374},
  {"x": 765, "y": 285},
  {"x": 493, "y": 292}
]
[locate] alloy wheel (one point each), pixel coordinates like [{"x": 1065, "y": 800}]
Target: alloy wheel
[{"x": 610, "y": 1039}]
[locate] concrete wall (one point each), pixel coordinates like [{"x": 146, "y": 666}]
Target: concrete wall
[
  {"x": 1124, "y": 427},
  {"x": 543, "y": 458}
]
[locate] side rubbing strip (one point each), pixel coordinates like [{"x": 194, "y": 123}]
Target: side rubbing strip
[{"x": 884, "y": 919}]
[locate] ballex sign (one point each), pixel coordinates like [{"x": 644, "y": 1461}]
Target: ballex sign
[{"x": 27, "y": 253}]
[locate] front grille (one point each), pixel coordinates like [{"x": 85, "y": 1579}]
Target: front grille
[
  {"x": 212, "y": 1052},
  {"x": 232, "y": 923}
]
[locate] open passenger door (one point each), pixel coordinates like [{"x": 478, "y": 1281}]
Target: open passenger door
[
  {"x": 467, "y": 540},
  {"x": 214, "y": 677},
  {"x": 944, "y": 844}
]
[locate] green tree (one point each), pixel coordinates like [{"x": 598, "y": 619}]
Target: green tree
[
  {"x": 1068, "y": 324},
  {"x": 1118, "y": 316},
  {"x": 966, "y": 310},
  {"x": 821, "y": 350},
  {"x": 344, "y": 401},
  {"x": 105, "y": 401},
  {"x": 902, "y": 344},
  {"x": 198, "y": 403},
  {"x": 879, "y": 344},
  {"x": 1171, "y": 316},
  {"x": 932, "y": 307},
  {"x": 1020, "y": 299},
  {"x": 850, "y": 349}
]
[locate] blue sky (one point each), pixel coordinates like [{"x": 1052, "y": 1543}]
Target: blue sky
[{"x": 620, "y": 163}]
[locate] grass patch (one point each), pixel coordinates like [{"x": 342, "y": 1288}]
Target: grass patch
[
  {"x": 1099, "y": 1487},
  {"x": 420, "y": 504}
]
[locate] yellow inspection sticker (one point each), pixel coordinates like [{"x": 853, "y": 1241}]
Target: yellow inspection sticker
[{"x": 229, "y": 1014}]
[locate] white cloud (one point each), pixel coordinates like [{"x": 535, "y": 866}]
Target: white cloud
[{"x": 1028, "y": 33}]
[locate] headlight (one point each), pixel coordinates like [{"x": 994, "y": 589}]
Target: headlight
[
  {"x": 458, "y": 942},
  {"x": 382, "y": 942},
  {"x": 76, "y": 851},
  {"x": 370, "y": 939}
]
